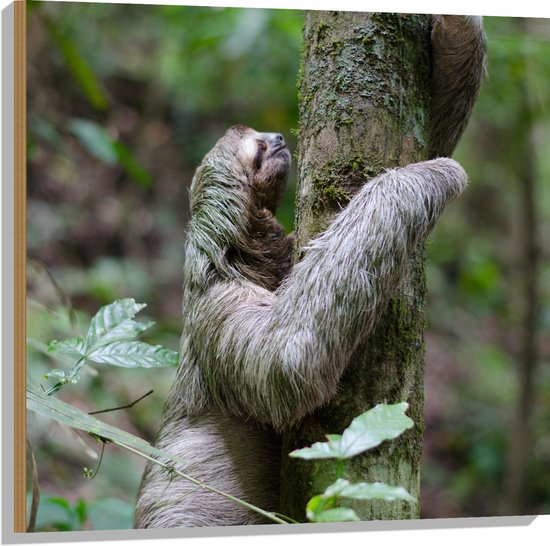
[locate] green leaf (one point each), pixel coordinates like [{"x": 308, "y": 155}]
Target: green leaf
[
  {"x": 131, "y": 166},
  {"x": 95, "y": 139},
  {"x": 54, "y": 408},
  {"x": 62, "y": 376},
  {"x": 367, "y": 491},
  {"x": 319, "y": 504},
  {"x": 77, "y": 65},
  {"x": 56, "y": 513},
  {"x": 334, "y": 515},
  {"x": 114, "y": 322},
  {"x": 110, "y": 513},
  {"x": 322, "y": 508},
  {"x": 80, "y": 509},
  {"x": 134, "y": 354},
  {"x": 370, "y": 429},
  {"x": 99, "y": 144},
  {"x": 74, "y": 345},
  {"x": 56, "y": 373},
  {"x": 60, "y": 501},
  {"x": 60, "y": 411},
  {"x": 319, "y": 450}
]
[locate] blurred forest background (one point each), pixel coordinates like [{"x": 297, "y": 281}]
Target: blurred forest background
[{"x": 123, "y": 102}]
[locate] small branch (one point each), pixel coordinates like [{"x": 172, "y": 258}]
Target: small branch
[
  {"x": 91, "y": 474},
  {"x": 122, "y": 407}
]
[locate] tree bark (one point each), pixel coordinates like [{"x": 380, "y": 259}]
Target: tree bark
[{"x": 364, "y": 106}]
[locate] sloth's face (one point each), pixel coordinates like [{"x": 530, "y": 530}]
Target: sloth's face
[{"x": 267, "y": 161}]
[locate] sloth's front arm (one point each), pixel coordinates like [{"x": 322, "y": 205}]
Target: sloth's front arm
[{"x": 278, "y": 356}]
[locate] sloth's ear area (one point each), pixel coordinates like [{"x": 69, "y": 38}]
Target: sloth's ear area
[{"x": 252, "y": 149}]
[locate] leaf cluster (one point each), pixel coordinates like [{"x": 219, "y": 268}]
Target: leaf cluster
[
  {"x": 367, "y": 431},
  {"x": 109, "y": 340}
]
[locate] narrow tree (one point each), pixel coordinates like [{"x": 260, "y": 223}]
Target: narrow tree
[
  {"x": 524, "y": 169},
  {"x": 364, "y": 106}
]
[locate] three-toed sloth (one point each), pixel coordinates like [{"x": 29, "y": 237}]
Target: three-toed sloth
[{"x": 264, "y": 343}]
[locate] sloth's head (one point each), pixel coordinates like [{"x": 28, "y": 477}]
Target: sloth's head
[
  {"x": 266, "y": 160},
  {"x": 233, "y": 197},
  {"x": 260, "y": 161}
]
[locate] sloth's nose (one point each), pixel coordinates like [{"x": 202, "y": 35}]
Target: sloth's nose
[
  {"x": 278, "y": 139},
  {"x": 275, "y": 140}
]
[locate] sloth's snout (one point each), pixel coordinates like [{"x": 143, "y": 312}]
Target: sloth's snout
[
  {"x": 274, "y": 140},
  {"x": 278, "y": 139}
]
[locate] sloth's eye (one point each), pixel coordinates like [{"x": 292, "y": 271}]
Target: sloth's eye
[{"x": 262, "y": 145}]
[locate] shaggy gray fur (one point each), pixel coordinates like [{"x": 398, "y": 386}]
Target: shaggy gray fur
[
  {"x": 459, "y": 51},
  {"x": 263, "y": 344}
]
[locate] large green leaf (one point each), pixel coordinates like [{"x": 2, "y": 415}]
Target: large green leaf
[
  {"x": 367, "y": 491},
  {"x": 54, "y": 408},
  {"x": 319, "y": 450},
  {"x": 134, "y": 354},
  {"x": 370, "y": 429},
  {"x": 115, "y": 322},
  {"x": 60, "y": 411}
]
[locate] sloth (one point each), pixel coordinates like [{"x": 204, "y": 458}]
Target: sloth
[{"x": 264, "y": 342}]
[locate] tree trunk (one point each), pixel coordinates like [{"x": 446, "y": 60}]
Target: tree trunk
[
  {"x": 521, "y": 442},
  {"x": 364, "y": 107}
]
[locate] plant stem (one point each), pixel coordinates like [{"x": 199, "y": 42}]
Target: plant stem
[
  {"x": 76, "y": 368},
  {"x": 92, "y": 474},
  {"x": 71, "y": 375},
  {"x": 54, "y": 389}
]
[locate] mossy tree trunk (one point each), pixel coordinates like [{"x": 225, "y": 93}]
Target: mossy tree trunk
[{"x": 365, "y": 102}]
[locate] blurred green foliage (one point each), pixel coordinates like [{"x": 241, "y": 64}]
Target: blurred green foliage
[
  {"x": 58, "y": 514},
  {"x": 477, "y": 288},
  {"x": 124, "y": 100}
]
